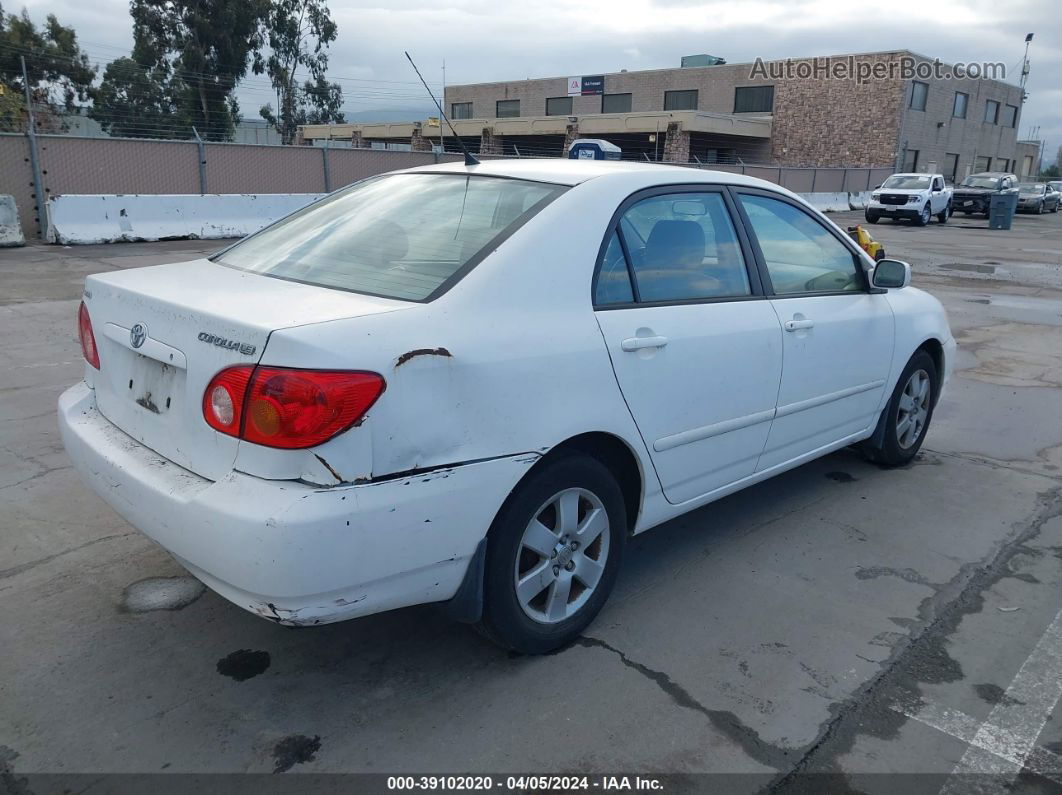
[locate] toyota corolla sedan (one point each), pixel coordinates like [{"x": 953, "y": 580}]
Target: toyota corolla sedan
[{"x": 473, "y": 384}]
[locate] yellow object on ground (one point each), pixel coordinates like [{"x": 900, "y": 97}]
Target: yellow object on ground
[{"x": 867, "y": 243}]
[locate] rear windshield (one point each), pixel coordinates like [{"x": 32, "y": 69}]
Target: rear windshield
[
  {"x": 906, "y": 181},
  {"x": 399, "y": 236},
  {"x": 1028, "y": 187}
]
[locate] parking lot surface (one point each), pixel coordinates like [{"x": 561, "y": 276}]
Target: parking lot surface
[{"x": 839, "y": 619}]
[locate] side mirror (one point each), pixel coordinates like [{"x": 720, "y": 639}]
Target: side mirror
[{"x": 892, "y": 274}]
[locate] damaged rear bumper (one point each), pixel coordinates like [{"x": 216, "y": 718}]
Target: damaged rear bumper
[{"x": 292, "y": 552}]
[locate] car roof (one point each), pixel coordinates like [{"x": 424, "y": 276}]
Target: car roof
[{"x": 562, "y": 171}]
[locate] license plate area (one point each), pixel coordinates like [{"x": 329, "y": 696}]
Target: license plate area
[{"x": 152, "y": 385}]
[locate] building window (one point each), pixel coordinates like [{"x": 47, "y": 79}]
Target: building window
[
  {"x": 951, "y": 166},
  {"x": 910, "y": 160},
  {"x": 958, "y": 110},
  {"x": 461, "y": 110},
  {"x": 754, "y": 99},
  {"x": 991, "y": 112},
  {"x": 559, "y": 106},
  {"x": 919, "y": 92},
  {"x": 1002, "y": 164},
  {"x": 982, "y": 164},
  {"x": 507, "y": 108},
  {"x": 1010, "y": 116},
  {"x": 615, "y": 103},
  {"x": 680, "y": 100}
]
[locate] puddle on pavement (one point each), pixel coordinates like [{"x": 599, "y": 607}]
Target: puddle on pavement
[
  {"x": 161, "y": 593},
  {"x": 969, "y": 267}
]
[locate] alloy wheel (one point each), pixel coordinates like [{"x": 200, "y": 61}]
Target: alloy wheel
[
  {"x": 562, "y": 556},
  {"x": 913, "y": 410}
]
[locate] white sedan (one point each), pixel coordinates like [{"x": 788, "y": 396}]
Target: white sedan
[{"x": 472, "y": 384}]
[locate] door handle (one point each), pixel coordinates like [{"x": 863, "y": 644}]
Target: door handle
[
  {"x": 637, "y": 343},
  {"x": 796, "y": 325}
]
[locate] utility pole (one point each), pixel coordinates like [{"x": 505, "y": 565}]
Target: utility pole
[
  {"x": 1025, "y": 65},
  {"x": 35, "y": 162},
  {"x": 442, "y": 130}
]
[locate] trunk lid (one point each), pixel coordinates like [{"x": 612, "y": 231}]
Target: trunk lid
[{"x": 163, "y": 333}]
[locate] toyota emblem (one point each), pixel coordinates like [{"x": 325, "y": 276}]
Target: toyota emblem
[{"x": 137, "y": 335}]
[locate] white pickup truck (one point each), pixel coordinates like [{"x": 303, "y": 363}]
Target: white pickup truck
[{"x": 916, "y": 197}]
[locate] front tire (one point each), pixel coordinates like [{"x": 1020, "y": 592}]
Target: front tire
[
  {"x": 872, "y": 218},
  {"x": 945, "y": 214},
  {"x": 924, "y": 216},
  {"x": 908, "y": 414},
  {"x": 553, "y": 553}
]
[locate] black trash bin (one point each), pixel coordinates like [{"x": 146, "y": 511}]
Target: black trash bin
[{"x": 1001, "y": 209}]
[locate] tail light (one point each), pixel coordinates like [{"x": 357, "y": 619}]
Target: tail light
[
  {"x": 288, "y": 408},
  {"x": 86, "y": 337}
]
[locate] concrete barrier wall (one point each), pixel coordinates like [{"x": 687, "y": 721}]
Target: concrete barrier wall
[
  {"x": 112, "y": 218},
  {"x": 10, "y": 228},
  {"x": 832, "y": 202}
]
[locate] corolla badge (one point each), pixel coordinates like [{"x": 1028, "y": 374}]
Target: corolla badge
[
  {"x": 233, "y": 345},
  {"x": 137, "y": 335}
]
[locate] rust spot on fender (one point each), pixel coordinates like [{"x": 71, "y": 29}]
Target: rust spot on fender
[{"x": 405, "y": 357}]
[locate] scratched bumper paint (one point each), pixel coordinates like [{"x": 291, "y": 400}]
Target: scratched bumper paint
[{"x": 287, "y": 551}]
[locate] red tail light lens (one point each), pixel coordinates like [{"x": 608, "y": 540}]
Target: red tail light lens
[
  {"x": 224, "y": 398},
  {"x": 86, "y": 337},
  {"x": 286, "y": 408}
]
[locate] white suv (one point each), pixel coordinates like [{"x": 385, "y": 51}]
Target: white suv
[{"x": 915, "y": 197}]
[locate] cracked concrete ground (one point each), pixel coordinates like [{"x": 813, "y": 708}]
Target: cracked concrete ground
[{"x": 809, "y": 631}]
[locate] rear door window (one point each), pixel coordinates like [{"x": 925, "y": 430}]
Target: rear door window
[
  {"x": 683, "y": 247},
  {"x": 406, "y": 236}
]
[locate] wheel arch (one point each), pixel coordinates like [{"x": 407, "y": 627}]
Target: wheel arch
[
  {"x": 466, "y": 606},
  {"x": 614, "y": 453},
  {"x": 935, "y": 349}
]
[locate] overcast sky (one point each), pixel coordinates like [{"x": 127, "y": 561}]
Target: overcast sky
[{"x": 483, "y": 41}]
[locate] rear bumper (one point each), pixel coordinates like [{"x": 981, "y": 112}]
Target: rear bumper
[{"x": 295, "y": 553}]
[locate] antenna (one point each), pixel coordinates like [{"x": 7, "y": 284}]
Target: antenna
[{"x": 470, "y": 159}]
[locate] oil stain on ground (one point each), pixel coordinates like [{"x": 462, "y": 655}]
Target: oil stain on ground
[
  {"x": 243, "y": 664},
  {"x": 994, "y": 694},
  {"x": 841, "y": 477},
  {"x": 161, "y": 593},
  {"x": 295, "y": 749}
]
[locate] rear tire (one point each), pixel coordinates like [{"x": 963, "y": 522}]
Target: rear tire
[
  {"x": 908, "y": 414},
  {"x": 542, "y": 587}
]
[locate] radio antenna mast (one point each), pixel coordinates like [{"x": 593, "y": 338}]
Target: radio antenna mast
[{"x": 470, "y": 159}]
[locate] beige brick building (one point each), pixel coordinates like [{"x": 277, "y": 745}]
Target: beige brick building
[{"x": 894, "y": 110}]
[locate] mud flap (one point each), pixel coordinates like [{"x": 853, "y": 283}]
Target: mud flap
[{"x": 466, "y": 606}]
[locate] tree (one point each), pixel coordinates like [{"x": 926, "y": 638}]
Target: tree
[
  {"x": 199, "y": 50},
  {"x": 138, "y": 102},
  {"x": 299, "y": 32},
  {"x": 59, "y": 72}
]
